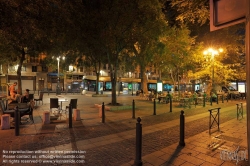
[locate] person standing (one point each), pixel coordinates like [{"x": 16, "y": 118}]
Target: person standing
[{"x": 12, "y": 89}]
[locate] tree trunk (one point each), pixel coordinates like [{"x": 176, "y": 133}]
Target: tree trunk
[
  {"x": 97, "y": 82},
  {"x": 113, "y": 78},
  {"x": 19, "y": 69},
  {"x": 144, "y": 80},
  {"x": 114, "y": 101}
]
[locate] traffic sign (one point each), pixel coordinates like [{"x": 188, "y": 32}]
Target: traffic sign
[{"x": 225, "y": 13}]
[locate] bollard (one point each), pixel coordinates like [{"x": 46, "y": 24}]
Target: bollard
[
  {"x": 182, "y": 129},
  {"x": 217, "y": 99},
  {"x": 70, "y": 116},
  {"x": 103, "y": 113},
  {"x": 133, "y": 109},
  {"x": 138, "y": 148},
  {"x": 239, "y": 110},
  {"x": 204, "y": 100},
  {"x": 170, "y": 103},
  {"x": 17, "y": 122},
  {"x": 154, "y": 108},
  {"x": 211, "y": 100}
]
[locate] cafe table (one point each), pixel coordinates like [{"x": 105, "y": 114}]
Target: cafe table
[
  {"x": 61, "y": 100},
  {"x": 184, "y": 102},
  {"x": 162, "y": 98}
]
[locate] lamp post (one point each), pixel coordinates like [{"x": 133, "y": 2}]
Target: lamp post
[
  {"x": 71, "y": 69},
  {"x": 58, "y": 88},
  {"x": 147, "y": 74},
  {"x": 212, "y": 52}
]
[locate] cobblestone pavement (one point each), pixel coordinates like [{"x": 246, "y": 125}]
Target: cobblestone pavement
[{"x": 113, "y": 143}]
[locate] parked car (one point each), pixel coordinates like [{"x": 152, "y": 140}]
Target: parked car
[{"x": 231, "y": 92}]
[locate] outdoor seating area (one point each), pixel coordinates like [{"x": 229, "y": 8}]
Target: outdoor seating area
[
  {"x": 23, "y": 109},
  {"x": 183, "y": 99},
  {"x": 57, "y": 108}
]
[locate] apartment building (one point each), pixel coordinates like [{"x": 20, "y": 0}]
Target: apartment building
[{"x": 37, "y": 76}]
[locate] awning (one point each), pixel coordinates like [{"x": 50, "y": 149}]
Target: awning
[{"x": 54, "y": 74}]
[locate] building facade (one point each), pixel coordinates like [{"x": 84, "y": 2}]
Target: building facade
[{"x": 36, "y": 76}]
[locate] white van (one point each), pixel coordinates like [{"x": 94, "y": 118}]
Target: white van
[{"x": 229, "y": 90}]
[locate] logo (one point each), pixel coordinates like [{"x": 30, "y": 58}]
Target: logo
[{"x": 237, "y": 155}]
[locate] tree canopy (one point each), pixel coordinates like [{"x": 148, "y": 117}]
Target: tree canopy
[{"x": 167, "y": 35}]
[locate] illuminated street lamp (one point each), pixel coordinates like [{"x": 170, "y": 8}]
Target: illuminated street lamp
[
  {"x": 212, "y": 52},
  {"x": 71, "y": 68},
  {"x": 58, "y": 88}
]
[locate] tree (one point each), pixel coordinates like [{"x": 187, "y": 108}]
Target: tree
[
  {"x": 26, "y": 28},
  {"x": 148, "y": 29},
  {"x": 195, "y": 11},
  {"x": 231, "y": 39},
  {"x": 120, "y": 25}
]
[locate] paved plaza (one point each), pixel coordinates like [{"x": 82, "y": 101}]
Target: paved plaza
[{"x": 93, "y": 143}]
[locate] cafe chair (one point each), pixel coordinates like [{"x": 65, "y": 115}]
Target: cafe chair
[
  {"x": 73, "y": 103},
  {"x": 39, "y": 99},
  {"x": 31, "y": 97},
  {"x": 54, "y": 103},
  {"x": 54, "y": 108},
  {"x": 4, "y": 110}
]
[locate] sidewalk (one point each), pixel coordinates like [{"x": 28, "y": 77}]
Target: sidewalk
[
  {"x": 113, "y": 142},
  {"x": 204, "y": 149}
]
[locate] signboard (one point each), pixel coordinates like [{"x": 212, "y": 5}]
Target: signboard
[
  {"x": 159, "y": 86},
  {"x": 225, "y": 13}
]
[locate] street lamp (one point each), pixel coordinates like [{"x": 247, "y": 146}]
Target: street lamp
[
  {"x": 212, "y": 52},
  {"x": 58, "y": 88},
  {"x": 71, "y": 68}
]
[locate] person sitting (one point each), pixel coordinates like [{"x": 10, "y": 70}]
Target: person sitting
[
  {"x": 25, "y": 98},
  {"x": 213, "y": 96},
  {"x": 14, "y": 98}
]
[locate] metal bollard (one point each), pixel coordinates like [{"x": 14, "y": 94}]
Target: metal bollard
[
  {"x": 182, "y": 129},
  {"x": 204, "y": 100},
  {"x": 239, "y": 110},
  {"x": 217, "y": 99},
  {"x": 133, "y": 109},
  {"x": 154, "y": 108},
  {"x": 70, "y": 116},
  {"x": 138, "y": 148},
  {"x": 17, "y": 122},
  {"x": 170, "y": 103},
  {"x": 103, "y": 113},
  {"x": 211, "y": 100}
]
